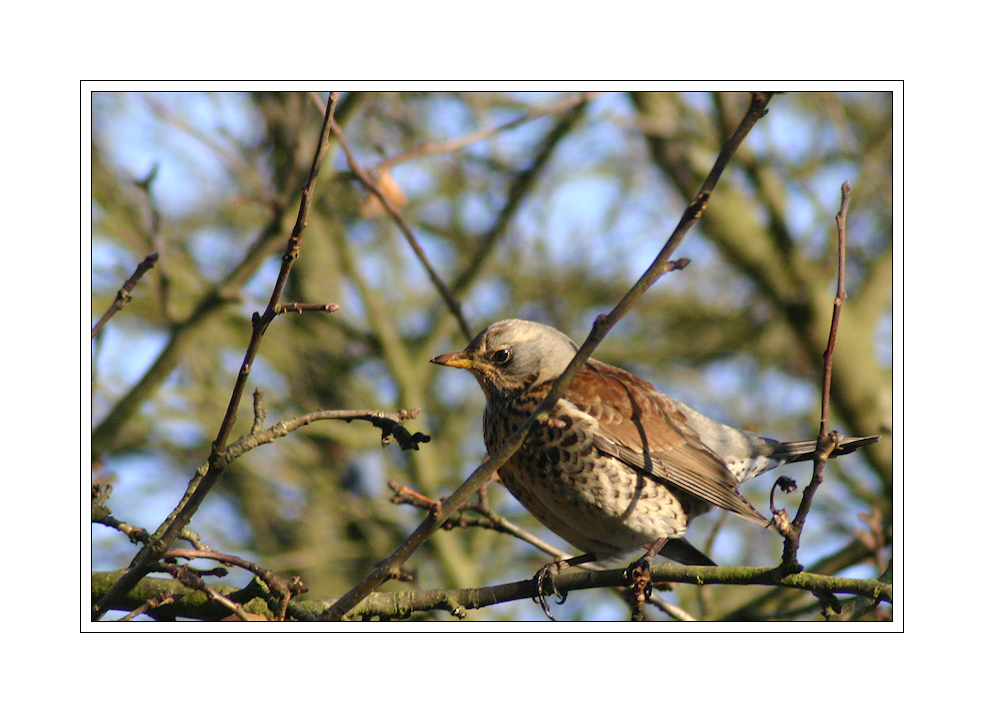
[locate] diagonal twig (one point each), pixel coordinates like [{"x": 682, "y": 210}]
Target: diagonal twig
[
  {"x": 486, "y": 518},
  {"x": 123, "y": 296},
  {"x": 159, "y": 601},
  {"x": 283, "y": 589},
  {"x": 366, "y": 180},
  {"x": 151, "y": 553},
  {"x": 603, "y": 324},
  {"x": 456, "y": 144},
  {"x": 191, "y": 579}
]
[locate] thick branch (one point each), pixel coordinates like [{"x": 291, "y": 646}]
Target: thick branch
[
  {"x": 401, "y": 604},
  {"x": 397, "y": 605}
]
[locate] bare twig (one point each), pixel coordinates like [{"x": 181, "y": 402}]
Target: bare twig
[
  {"x": 439, "y": 147},
  {"x": 123, "y": 296},
  {"x": 603, "y": 324},
  {"x": 675, "y": 612},
  {"x": 162, "y": 600},
  {"x": 828, "y": 355},
  {"x": 301, "y": 307},
  {"x": 283, "y": 589},
  {"x": 259, "y": 411},
  {"x": 518, "y": 189},
  {"x": 391, "y": 425},
  {"x": 154, "y": 237},
  {"x": 826, "y": 442},
  {"x": 487, "y": 518},
  {"x": 192, "y": 580},
  {"x": 779, "y": 599},
  {"x": 182, "y": 333},
  {"x": 102, "y": 515},
  {"x": 874, "y": 537},
  {"x": 366, "y": 180},
  {"x": 151, "y": 553}
]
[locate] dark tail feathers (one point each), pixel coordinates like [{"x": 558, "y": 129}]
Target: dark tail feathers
[
  {"x": 683, "y": 552},
  {"x": 804, "y": 450}
]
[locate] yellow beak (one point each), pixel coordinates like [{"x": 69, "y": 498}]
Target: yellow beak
[{"x": 456, "y": 359}]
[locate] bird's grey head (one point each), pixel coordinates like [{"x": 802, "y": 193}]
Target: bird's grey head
[{"x": 513, "y": 353}]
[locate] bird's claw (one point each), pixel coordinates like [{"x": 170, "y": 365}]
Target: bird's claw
[
  {"x": 640, "y": 577},
  {"x": 639, "y": 574},
  {"x": 545, "y": 587}
]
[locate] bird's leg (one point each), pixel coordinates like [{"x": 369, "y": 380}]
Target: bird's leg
[
  {"x": 647, "y": 559},
  {"x": 638, "y": 571},
  {"x": 544, "y": 579}
]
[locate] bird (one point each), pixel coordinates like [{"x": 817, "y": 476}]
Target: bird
[{"x": 618, "y": 465}]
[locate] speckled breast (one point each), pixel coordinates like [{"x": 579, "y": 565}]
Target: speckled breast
[{"x": 595, "y": 502}]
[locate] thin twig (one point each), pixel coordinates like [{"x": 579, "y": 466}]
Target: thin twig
[
  {"x": 191, "y": 579},
  {"x": 123, "y": 296},
  {"x": 301, "y": 307},
  {"x": 518, "y": 189},
  {"x": 284, "y": 589},
  {"x": 155, "y": 239},
  {"x": 181, "y": 333},
  {"x": 602, "y": 326},
  {"x": 153, "y": 603},
  {"x": 826, "y": 442},
  {"x": 828, "y": 355},
  {"x": 439, "y": 147},
  {"x": 391, "y": 425},
  {"x": 677, "y": 613},
  {"x": 178, "y": 519},
  {"x": 366, "y": 180},
  {"x": 102, "y": 515},
  {"x": 487, "y": 519},
  {"x": 259, "y": 411}
]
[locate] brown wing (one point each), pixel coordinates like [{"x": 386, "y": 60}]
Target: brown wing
[{"x": 641, "y": 428}]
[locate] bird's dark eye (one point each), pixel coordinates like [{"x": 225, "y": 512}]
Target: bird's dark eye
[{"x": 500, "y": 356}]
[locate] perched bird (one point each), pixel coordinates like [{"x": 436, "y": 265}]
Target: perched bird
[{"x": 618, "y": 465}]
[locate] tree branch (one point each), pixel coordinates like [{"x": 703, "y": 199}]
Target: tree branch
[
  {"x": 439, "y": 147},
  {"x": 123, "y": 296},
  {"x": 366, "y": 180},
  {"x": 826, "y": 442},
  {"x": 487, "y": 518},
  {"x": 151, "y": 553},
  {"x": 401, "y": 604}
]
